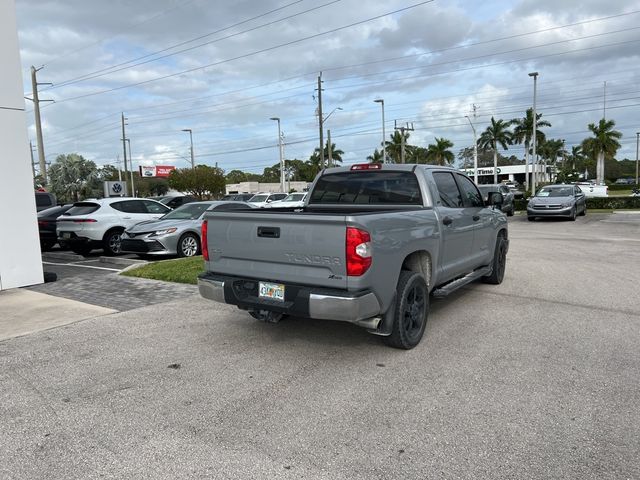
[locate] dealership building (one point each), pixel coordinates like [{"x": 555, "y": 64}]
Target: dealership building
[
  {"x": 255, "y": 187},
  {"x": 512, "y": 173}
]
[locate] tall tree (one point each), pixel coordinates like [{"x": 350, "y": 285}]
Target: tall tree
[
  {"x": 336, "y": 155},
  {"x": 439, "y": 152},
  {"x": 523, "y": 133},
  {"x": 550, "y": 150},
  {"x": 202, "y": 181},
  {"x": 394, "y": 146},
  {"x": 604, "y": 143},
  {"x": 375, "y": 157},
  {"x": 72, "y": 177},
  {"x": 497, "y": 133}
]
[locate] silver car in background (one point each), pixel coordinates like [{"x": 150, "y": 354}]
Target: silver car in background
[
  {"x": 557, "y": 201},
  {"x": 176, "y": 233}
]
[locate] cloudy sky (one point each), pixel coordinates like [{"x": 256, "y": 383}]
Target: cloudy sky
[{"x": 223, "y": 68}]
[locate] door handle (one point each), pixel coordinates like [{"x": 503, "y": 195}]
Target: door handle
[
  {"x": 269, "y": 232},
  {"x": 447, "y": 221},
  {"x": 476, "y": 218},
  {"x": 127, "y": 218}
]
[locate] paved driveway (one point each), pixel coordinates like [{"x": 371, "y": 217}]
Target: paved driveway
[{"x": 536, "y": 378}]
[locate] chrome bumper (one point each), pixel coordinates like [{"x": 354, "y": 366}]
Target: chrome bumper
[{"x": 358, "y": 309}]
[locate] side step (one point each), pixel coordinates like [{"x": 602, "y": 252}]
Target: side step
[{"x": 461, "y": 282}]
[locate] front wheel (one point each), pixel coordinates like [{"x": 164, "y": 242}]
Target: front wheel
[
  {"x": 499, "y": 262},
  {"x": 111, "y": 242},
  {"x": 411, "y": 310},
  {"x": 531, "y": 219},
  {"x": 574, "y": 214},
  {"x": 188, "y": 245},
  {"x": 584, "y": 211}
]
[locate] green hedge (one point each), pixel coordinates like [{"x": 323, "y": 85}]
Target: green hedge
[
  {"x": 622, "y": 187},
  {"x": 607, "y": 203}
]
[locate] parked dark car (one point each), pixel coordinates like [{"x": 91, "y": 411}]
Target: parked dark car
[
  {"x": 45, "y": 200},
  {"x": 47, "y": 222},
  {"x": 557, "y": 201},
  {"x": 508, "y": 206},
  {"x": 238, "y": 197},
  {"x": 175, "y": 201}
]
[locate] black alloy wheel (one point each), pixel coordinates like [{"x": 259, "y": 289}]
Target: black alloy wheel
[
  {"x": 499, "y": 263},
  {"x": 411, "y": 309}
]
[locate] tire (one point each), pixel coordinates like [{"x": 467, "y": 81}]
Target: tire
[
  {"x": 499, "y": 262},
  {"x": 584, "y": 211},
  {"x": 47, "y": 245},
  {"x": 511, "y": 211},
  {"x": 574, "y": 214},
  {"x": 411, "y": 311},
  {"x": 188, "y": 245},
  {"x": 81, "y": 249},
  {"x": 111, "y": 242},
  {"x": 531, "y": 219}
]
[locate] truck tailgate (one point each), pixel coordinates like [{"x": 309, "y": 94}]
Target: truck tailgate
[{"x": 287, "y": 247}]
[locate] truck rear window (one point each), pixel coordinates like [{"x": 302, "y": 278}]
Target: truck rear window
[{"x": 366, "y": 188}]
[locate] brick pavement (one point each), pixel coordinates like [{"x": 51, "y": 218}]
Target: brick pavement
[{"x": 116, "y": 291}]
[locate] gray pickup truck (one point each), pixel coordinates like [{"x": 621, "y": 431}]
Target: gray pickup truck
[{"x": 370, "y": 246}]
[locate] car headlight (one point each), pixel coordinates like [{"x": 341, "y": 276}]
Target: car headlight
[
  {"x": 166, "y": 231},
  {"x": 567, "y": 204}
]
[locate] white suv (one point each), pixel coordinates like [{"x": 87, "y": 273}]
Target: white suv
[
  {"x": 262, "y": 199},
  {"x": 99, "y": 223}
]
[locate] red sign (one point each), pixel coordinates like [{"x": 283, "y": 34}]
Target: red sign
[{"x": 164, "y": 170}]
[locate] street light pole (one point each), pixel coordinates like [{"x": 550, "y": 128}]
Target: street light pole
[
  {"x": 535, "y": 131},
  {"x": 475, "y": 152},
  {"x": 384, "y": 135},
  {"x": 193, "y": 164},
  {"x": 282, "y": 181},
  {"x": 133, "y": 188},
  {"x": 637, "y": 144}
]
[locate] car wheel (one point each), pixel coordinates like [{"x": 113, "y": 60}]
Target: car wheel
[
  {"x": 574, "y": 214},
  {"x": 188, "y": 245},
  {"x": 111, "y": 242},
  {"x": 45, "y": 246},
  {"x": 584, "y": 211},
  {"x": 411, "y": 310},
  {"x": 81, "y": 249},
  {"x": 531, "y": 219},
  {"x": 499, "y": 263},
  {"x": 511, "y": 211}
]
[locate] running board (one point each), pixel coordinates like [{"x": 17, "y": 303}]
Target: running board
[{"x": 461, "y": 282}]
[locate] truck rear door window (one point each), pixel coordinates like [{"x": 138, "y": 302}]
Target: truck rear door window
[
  {"x": 449, "y": 194},
  {"x": 367, "y": 188}
]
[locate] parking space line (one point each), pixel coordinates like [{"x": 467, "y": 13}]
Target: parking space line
[{"x": 81, "y": 266}]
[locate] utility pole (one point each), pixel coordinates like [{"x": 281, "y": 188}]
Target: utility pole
[
  {"x": 320, "y": 121},
  {"x": 475, "y": 146},
  {"x": 281, "y": 153},
  {"x": 535, "y": 131},
  {"x": 124, "y": 145},
  {"x": 36, "y": 109},
  {"x": 637, "y": 145},
  {"x": 33, "y": 163},
  {"x": 193, "y": 163},
  {"x": 384, "y": 139},
  {"x": 329, "y": 157},
  {"x": 133, "y": 189},
  {"x": 407, "y": 127},
  {"x": 604, "y": 102}
]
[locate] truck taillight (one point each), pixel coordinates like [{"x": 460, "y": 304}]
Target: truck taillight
[
  {"x": 358, "y": 251},
  {"x": 366, "y": 166},
  {"x": 205, "y": 243}
]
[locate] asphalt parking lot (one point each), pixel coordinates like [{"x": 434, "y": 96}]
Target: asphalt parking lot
[{"x": 535, "y": 378}]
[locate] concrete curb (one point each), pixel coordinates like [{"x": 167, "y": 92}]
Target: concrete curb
[
  {"x": 132, "y": 267},
  {"x": 122, "y": 261},
  {"x": 69, "y": 257}
]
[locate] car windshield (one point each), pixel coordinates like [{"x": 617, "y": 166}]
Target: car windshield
[
  {"x": 190, "y": 211},
  {"x": 294, "y": 197},
  {"x": 259, "y": 198},
  {"x": 555, "y": 192}
]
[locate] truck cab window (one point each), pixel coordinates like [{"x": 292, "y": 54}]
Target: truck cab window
[
  {"x": 470, "y": 195},
  {"x": 449, "y": 194}
]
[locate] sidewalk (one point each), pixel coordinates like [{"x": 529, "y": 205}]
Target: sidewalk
[{"x": 23, "y": 312}]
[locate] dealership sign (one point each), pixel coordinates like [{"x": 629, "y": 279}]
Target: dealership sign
[{"x": 156, "y": 170}]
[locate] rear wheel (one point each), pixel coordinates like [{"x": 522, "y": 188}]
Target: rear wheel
[
  {"x": 411, "y": 310},
  {"x": 111, "y": 242},
  {"x": 46, "y": 245},
  {"x": 584, "y": 211},
  {"x": 499, "y": 262},
  {"x": 81, "y": 249},
  {"x": 188, "y": 245}
]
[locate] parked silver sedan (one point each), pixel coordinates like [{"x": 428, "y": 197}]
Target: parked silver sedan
[
  {"x": 176, "y": 233},
  {"x": 557, "y": 201}
]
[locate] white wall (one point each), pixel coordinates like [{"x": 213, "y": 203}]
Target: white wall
[{"x": 20, "y": 262}]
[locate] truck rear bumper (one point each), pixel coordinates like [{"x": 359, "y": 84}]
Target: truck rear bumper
[{"x": 311, "y": 302}]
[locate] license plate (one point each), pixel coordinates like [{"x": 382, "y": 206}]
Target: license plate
[
  {"x": 66, "y": 235},
  {"x": 272, "y": 291}
]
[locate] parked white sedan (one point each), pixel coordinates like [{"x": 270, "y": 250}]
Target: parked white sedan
[{"x": 293, "y": 200}]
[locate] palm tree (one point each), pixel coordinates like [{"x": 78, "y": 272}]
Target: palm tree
[
  {"x": 603, "y": 143},
  {"x": 549, "y": 150},
  {"x": 497, "y": 133},
  {"x": 440, "y": 153},
  {"x": 72, "y": 176},
  {"x": 375, "y": 157},
  {"x": 336, "y": 156},
  {"x": 523, "y": 133},
  {"x": 394, "y": 147}
]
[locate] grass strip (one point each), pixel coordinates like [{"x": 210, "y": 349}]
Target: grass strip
[{"x": 181, "y": 270}]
